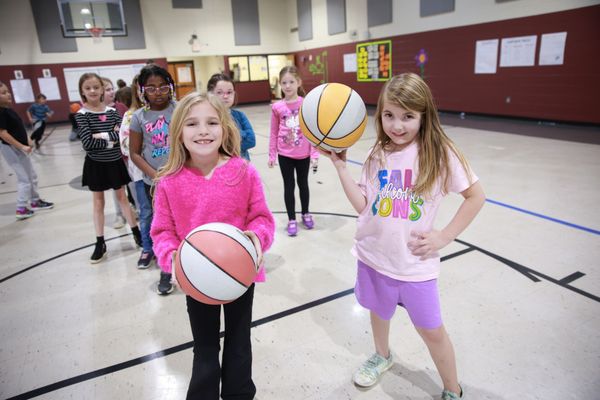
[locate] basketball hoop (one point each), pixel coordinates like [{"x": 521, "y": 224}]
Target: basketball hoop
[{"x": 96, "y": 33}]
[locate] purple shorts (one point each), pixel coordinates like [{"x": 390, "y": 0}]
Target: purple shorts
[{"x": 381, "y": 294}]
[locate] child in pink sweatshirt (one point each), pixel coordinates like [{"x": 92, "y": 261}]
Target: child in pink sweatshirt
[
  {"x": 205, "y": 180},
  {"x": 293, "y": 151}
]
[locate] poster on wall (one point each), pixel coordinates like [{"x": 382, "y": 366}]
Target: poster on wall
[
  {"x": 518, "y": 51},
  {"x": 552, "y": 48},
  {"x": 374, "y": 61},
  {"x": 21, "y": 90},
  {"x": 49, "y": 87},
  {"x": 113, "y": 72},
  {"x": 486, "y": 56},
  {"x": 350, "y": 62}
]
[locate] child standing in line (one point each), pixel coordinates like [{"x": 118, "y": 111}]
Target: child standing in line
[
  {"x": 103, "y": 168},
  {"x": 16, "y": 148},
  {"x": 109, "y": 100},
  {"x": 206, "y": 181},
  {"x": 293, "y": 151},
  {"x": 137, "y": 176},
  {"x": 222, "y": 86},
  {"x": 37, "y": 114},
  {"x": 412, "y": 165},
  {"x": 149, "y": 142}
]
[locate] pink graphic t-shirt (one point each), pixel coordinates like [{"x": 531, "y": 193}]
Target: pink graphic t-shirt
[{"x": 393, "y": 211}]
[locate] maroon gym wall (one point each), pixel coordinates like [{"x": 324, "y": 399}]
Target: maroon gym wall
[
  {"x": 60, "y": 107},
  {"x": 568, "y": 92}
]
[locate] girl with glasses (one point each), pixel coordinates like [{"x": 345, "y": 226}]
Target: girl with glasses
[
  {"x": 222, "y": 86},
  {"x": 149, "y": 144}
]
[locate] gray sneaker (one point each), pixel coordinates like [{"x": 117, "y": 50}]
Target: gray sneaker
[
  {"x": 448, "y": 395},
  {"x": 369, "y": 372}
]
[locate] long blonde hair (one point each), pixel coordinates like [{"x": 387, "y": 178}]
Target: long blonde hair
[
  {"x": 411, "y": 92},
  {"x": 178, "y": 154}
]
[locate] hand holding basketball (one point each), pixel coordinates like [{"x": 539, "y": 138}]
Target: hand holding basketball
[{"x": 333, "y": 116}]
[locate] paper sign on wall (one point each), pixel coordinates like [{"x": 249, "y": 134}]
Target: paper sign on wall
[
  {"x": 22, "y": 90},
  {"x": 518, "y": 51},
  {"x": 552, "y": 48},
  {"x": 486, "y": 56},
  {"x": 49, "y": 87}
]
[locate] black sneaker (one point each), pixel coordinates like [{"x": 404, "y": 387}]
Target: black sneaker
[
  {"x": 137, "y": 236},
  {"x": 145, "y": 259},
  {"x": 164, "y": 285},
  {"x": 41, "y": 205},
  {"x": 99, "y": 253}
]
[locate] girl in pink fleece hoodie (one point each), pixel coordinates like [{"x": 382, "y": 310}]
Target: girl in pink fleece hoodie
[{"x": 205, "y": 180}]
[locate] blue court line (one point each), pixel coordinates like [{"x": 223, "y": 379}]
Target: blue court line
[
  {"x": 559, "y": 221},
  {"x": 498, "y": 203}
]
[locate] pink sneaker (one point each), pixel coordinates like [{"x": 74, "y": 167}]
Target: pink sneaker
[
  {"x": 292, "y": 228},
  {"x": 307, "y": 221},
  {"x": 24, "y": 213}
]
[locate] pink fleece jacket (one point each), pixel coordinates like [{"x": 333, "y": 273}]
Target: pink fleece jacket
[
  {"x": 286, "y": 137},
  {"x": 186, "y": 200}
]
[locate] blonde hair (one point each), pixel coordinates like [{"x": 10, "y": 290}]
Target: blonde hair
[
  {"x": 178, "y": 154},
  {"x": 411, "y": 92}
]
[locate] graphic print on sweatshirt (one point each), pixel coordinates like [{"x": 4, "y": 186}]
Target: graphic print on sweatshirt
[
  {"x": 159, "y": 132},
  {"x": 395, "y": 196},
  {"x": 292, "y": 122}
]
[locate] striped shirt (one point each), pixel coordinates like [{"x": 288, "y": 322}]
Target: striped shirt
[{"x": 90, "y": 122}]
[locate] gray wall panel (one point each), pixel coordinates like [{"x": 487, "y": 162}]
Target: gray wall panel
[
  {"x": 246, "y": 26},
  {"x": 135, "y": 38},
  {"x": 379, "y": 12},
  {"x": 305, "y": 30},
  {"x": 336, "y": 16},
  {"x": 187, "y": 3},
  {"x": 49, "y": 32},
  {"x": 433, "y": 7}
]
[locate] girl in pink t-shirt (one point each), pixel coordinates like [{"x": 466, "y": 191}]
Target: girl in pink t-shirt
[
  {"x": 205, "y": 180},
  {"x": 293, "y": 151},
  {"x": 412, "y": 165}
]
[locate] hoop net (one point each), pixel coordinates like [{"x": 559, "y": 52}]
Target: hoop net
[{"x": 96, "y": 33}]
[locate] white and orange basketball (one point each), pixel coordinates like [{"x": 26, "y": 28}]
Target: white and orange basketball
[
  {"x": 216, "y": 263},
  {"x": 333, "y": 116}
]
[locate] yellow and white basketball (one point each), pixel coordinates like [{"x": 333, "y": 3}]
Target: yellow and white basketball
[{"x": 333, "y": 116}]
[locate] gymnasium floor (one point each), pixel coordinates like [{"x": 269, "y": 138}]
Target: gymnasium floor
[{"x": 520, "y": 288}]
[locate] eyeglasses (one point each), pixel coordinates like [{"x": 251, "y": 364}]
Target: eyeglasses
[{"x": 152, "y": 89}]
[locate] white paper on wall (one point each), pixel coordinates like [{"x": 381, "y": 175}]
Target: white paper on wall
[
  {"x": 486, "y": 56},
  {"x": 49, "y": 87},
  {"x": 552, "y": 48},
  {"x": 350, "y": 62},
  {"x": 518, "y": 51},
  {"x": 21, "y": 90}
]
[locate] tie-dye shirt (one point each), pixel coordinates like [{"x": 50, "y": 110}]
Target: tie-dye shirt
[{"x": 393, "y": 211}]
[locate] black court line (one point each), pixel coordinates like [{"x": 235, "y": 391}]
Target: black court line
[
  {"x": 185, "y": 346},
  {"x": 574, "y": 276},
  {"x": 527, "y": 272},
  {"x": 57, "y": 256}
]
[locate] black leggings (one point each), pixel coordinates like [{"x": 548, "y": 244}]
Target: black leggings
[
  {"x": 235, "y": 373},
  {"x": 302, "y": 166}
]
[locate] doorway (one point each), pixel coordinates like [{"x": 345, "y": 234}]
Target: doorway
[{"x": 184, "y": 77}]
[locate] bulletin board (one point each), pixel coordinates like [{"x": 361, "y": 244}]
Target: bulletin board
[{"x": 113, "y": 72}]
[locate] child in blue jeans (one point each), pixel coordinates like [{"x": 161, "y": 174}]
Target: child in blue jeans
[
  {"x": 38, "y": 113},
  {"x": 15, "y": 148}
]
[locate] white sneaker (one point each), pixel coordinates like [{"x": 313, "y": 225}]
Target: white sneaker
[
  {"x": 119, "y": 222},
  {"x": 369, "y": 372},
  {"x": 448, "y": 395}
]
